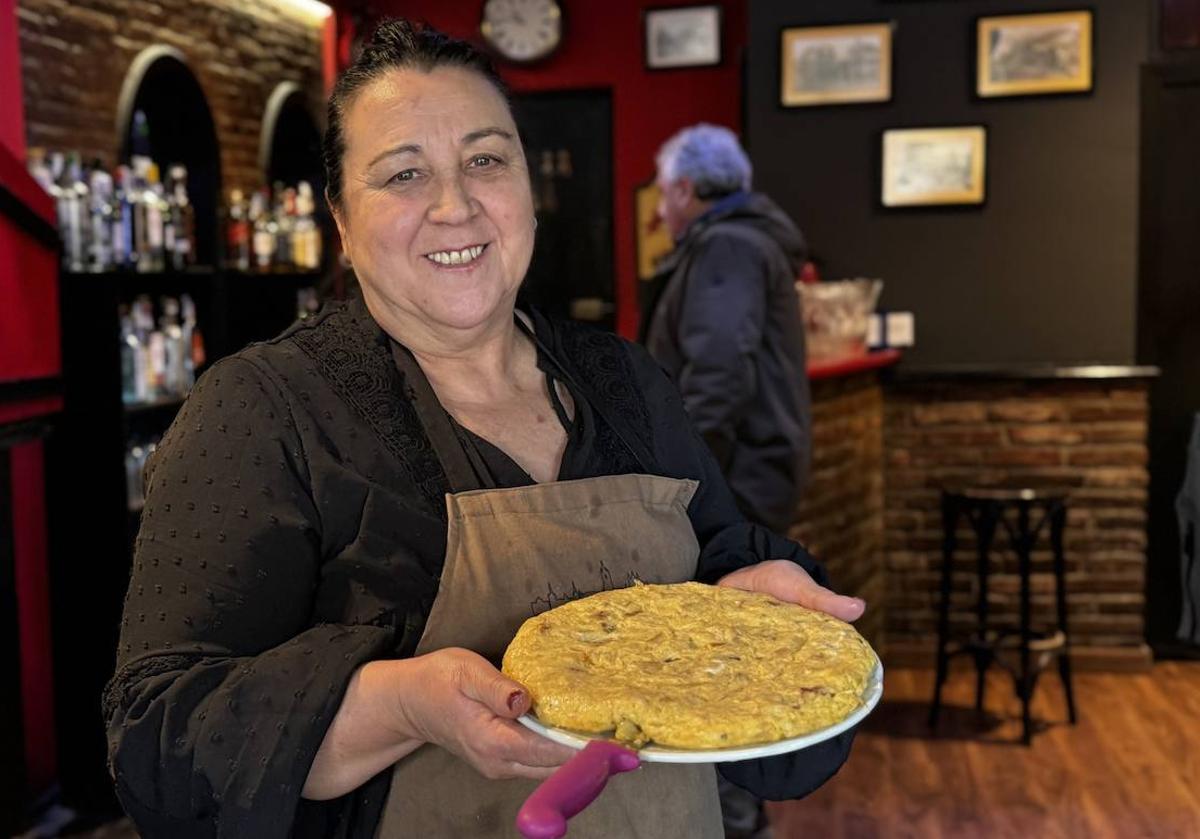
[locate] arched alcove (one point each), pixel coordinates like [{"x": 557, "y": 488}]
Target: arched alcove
[
  {"x": 290, "y": 145},
  {"x": 181, "y": 130}
]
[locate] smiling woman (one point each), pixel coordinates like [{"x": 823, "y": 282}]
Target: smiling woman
[{"x": 346, "y": 525}]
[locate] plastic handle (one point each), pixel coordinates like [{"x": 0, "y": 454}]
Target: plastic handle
[{"x": 572, "y": 787}]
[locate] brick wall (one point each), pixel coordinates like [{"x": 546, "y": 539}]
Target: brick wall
[
  {"x": 841, "y": 516},
  {"x": 1089, "y": 437},
  {"x": 75, "y": 54}
]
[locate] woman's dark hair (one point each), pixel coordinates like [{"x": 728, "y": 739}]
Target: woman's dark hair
[{"x": 394, "y": 44}]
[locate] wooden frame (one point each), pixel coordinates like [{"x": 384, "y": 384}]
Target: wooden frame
[
  {"x": 934, "y": 166},
  {"x": 835, "y": 65},
  {"x": 1029, "y": 55},
  {"x": 674, "y": 37}
]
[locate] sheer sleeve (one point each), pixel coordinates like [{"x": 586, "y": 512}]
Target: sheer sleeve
[{"x": 224, "y": 687}]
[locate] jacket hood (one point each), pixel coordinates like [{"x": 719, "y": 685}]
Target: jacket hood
[{"x": 757, "y": 210}]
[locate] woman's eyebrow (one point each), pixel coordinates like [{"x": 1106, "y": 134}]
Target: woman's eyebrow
[
  {"x": 482, "y": 133},
  {"x": 409, "y": 148}
]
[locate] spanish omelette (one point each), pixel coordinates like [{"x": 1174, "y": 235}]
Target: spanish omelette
[{"x": 689, "y": 666}]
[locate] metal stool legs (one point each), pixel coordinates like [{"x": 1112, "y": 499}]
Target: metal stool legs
[
  {"x": 1058, "y": 521},
  {"x": 949, "y": 539},
  {"x": 985, "y": 509}
]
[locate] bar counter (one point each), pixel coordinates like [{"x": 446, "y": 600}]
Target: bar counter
[{"x": 888, "y": 435}]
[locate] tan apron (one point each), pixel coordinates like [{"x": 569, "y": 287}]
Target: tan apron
[{"x": 511, "y": 554}]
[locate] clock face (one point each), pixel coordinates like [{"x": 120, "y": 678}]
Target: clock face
[{"x": 522, "y": 30}]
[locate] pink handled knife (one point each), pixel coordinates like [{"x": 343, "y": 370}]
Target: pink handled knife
[{"x": 572, "y": 787}]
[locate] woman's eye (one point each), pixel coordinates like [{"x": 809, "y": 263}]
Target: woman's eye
[
  {"x": 483, "y": 160},
  {"x": 406, "y": 175}
]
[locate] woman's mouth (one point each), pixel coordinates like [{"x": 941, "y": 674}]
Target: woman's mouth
[{"x": 456, "y": 258}]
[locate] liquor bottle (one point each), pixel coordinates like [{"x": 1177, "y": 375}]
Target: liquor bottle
[
  {"x": 189, "y": 319},
  {"x": 135, "y": 459},
  {"x": 142, "y": 315},
  {"x": 191, "y": 339},
  {"x": 150, "y": 253},
  {"x": 174, "y": 370},
  {"x": 133, "y": 361},
  {"x": 100, "y": 212},
  {"x": 75, "y": 212},
  {"x": 122, "y": 221},
  {"x": 284, "y": 219},
  {"x": 264, "y": 233},
  {"x": 237, "y": 233},
  {"x": 137, "y": 196},
  {"x": 39, "y": 168},
  {"x": 139, "y": 133},
  {"x": 308, "y": 303},
  {"x": 166, "y": 210},
  {"x": 183, "y": 220},
  {"x": 307, "y": 236}
]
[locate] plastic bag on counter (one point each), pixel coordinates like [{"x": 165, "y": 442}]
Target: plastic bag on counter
[{"x": 837, "y": 316}]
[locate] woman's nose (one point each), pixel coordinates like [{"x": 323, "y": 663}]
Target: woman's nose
[{"x": 454, "y": 203}]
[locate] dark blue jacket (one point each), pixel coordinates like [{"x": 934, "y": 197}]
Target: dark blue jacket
[{"x": 728, "y": 329}]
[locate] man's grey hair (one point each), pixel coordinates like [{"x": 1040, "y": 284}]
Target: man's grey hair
[{"x": 709, "y": 156}]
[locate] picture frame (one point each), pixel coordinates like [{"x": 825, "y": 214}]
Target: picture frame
[
  {"x": 652, "y": 238},
  {"x": 835, "y": 65},
  {"x": 934, "y": 166},
  {"x": 675, "y": 37},
  {"x": 1034, "y": 54}
]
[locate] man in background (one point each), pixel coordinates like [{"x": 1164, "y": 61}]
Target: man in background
[
  {"x": 727, "y": 327},
  {"x": 727, "y": 324}
]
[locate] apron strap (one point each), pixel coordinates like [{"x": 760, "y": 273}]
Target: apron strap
[{"x": 439, "y": 428}]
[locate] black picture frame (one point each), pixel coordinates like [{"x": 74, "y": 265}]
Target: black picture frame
[{"x": 659, "y": 15}]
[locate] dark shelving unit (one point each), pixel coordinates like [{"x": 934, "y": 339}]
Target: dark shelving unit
[{"x": 92, "y": 521}]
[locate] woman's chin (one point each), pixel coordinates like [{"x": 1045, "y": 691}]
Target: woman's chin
[{"x": 470, "y": 311}]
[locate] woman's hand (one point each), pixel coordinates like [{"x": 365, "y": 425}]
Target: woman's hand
[
  {"x": 450, "y": 697},
  {"x": 468, "y": 707},
  {"x": 787, "y": 581}
]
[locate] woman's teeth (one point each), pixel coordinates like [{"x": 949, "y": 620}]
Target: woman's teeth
[{"x": 457, "y": 257}]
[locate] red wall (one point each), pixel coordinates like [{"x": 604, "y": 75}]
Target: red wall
[
  {"x": 12, "y": 125},
  {"x": 602, "y": 47},
  {"x": 29, "y": 349}
]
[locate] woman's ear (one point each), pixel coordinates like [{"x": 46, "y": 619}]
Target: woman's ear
[{"x": 339, "y": 219}]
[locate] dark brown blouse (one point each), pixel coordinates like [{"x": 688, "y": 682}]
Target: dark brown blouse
[{"x": 294, "y": 530}]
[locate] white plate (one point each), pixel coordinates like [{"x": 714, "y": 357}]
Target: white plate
[{"x": 661, "y": 754}]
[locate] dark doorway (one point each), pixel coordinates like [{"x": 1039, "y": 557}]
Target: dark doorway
[
  {"x": 568, "y": 142},
  {"x": 1169, "y": 321}
]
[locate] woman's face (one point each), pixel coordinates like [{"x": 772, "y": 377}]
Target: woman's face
[{"x": 437, "y": 213}]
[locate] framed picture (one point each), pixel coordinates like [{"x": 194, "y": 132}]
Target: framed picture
[
  {"x": 683, "y": 36},
  {"x": 653, "y": 239},
  {"x": 1022, "y": 55},
  {"x": 836, "y": 65},
  {"x": 932, "y": 166}
]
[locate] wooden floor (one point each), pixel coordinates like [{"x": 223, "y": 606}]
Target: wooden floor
[{"x": 1130, "y": 768}]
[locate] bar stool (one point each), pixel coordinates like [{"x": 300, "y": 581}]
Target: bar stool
[{"x": 988, "y": 508}]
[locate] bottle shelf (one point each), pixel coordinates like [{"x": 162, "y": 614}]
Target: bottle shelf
[
  {"x": 162, "y": 404},
  {"x": 194, "y": 271}
]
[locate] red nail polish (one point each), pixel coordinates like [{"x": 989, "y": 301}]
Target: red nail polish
[{"x": 514, "y": 699}]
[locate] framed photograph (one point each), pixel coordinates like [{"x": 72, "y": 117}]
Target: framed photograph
[
  {"x": 1023, "y": 55},
  {"x": 653, "y": 239},
  {"x": 836, "y": 65},
  {"x": 934, "y": 166},
  {"x": 682, "y": 36}
]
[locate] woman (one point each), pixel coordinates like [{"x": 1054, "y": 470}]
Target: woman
[{"x": 311, "y": 629}]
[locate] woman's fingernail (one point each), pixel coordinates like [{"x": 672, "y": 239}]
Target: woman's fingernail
[{"x": 514, "y": 699}]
